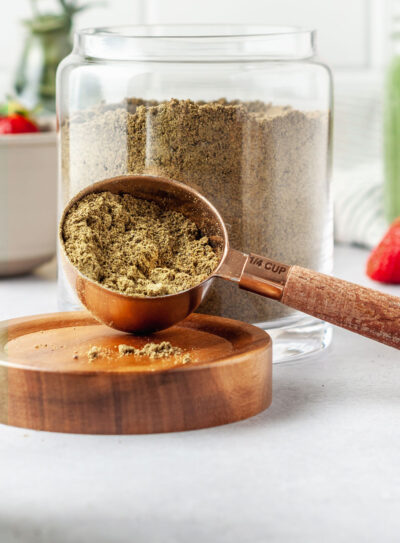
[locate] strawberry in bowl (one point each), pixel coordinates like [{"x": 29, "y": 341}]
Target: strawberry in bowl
[
  {"x": 28, "y": 186},
  {"x": 16, "y": 119}
]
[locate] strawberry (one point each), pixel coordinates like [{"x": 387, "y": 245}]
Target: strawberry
[
  {"x": 384, "y": 262},
  {"x": 16, "y": 119},
  {"x": 17, "y": 124}
]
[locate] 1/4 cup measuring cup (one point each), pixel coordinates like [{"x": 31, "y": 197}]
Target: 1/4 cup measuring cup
[{"x": 361, "y": 310}]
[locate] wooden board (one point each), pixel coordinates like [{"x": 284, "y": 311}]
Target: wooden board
[{"x": 48, "y": 382}]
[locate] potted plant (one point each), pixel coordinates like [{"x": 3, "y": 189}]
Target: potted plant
[{"x": 48, "y": 41}]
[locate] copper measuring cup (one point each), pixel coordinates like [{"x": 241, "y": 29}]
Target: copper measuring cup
[{"x": 362, "y": 310}]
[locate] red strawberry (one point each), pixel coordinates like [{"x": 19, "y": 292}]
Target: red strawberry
[
  {"x": 384, "y": 262},
  {"x": 17, "y": 124}
]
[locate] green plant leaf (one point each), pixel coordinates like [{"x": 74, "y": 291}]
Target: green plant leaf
[{"x": 48, "y": 23}]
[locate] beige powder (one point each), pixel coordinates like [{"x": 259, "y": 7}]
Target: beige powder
[
  {"x": 94, "y": 352},
  {"x": 135, "y": 247},
  {"x": 152, "y": 350},
  {"x": 263, "y": 166}
]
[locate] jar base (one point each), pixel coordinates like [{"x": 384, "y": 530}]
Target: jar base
[{"x": 294, "y": 340}]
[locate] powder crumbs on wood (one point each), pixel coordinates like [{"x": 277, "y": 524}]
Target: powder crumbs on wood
[
  {"x": 93, "y": 352},
  {"x": 154, "y": 350},
  {"x": 96, "y": 352},
  {"x": 151, "y": 350}
]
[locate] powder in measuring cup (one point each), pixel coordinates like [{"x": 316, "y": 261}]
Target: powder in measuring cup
[{"x": 135, "y": 247}]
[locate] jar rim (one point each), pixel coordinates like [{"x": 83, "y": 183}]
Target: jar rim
[
  {"x": 202, "y": 42},
  {"x": 200, "y": 31}
]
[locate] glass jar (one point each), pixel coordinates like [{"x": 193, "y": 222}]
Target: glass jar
[{"x": 241, "y": 113}]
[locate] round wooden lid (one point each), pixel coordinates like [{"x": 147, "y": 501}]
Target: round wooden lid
[{"x": 64, "y": 372}]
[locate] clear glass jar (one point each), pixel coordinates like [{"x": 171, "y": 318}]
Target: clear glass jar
[{"x": 242, "y": 113}]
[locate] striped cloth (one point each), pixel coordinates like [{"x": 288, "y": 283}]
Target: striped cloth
[{"x": 358, "y": 205}]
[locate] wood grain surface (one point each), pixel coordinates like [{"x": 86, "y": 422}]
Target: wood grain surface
[
  {"x": 365, "y": 311},
  {"x": 48, "y": 382}
]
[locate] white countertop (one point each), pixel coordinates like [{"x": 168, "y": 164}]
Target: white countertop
[{"x": 322, "y": 464}]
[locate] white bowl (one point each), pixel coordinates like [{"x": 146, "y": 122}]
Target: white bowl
[{"x": 28, "y": 201}]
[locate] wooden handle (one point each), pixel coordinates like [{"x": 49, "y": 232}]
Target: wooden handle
[{"x": 362, "y": 310}]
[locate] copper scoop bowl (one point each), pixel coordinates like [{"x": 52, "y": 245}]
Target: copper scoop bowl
[{"x": 356, "y": 308}]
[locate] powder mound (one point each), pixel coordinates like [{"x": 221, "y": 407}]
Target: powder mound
[
  {"x": 152, "y": 350},
  {"x": 93, "y": 352},
  {"x": 135, "y": 246}
]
